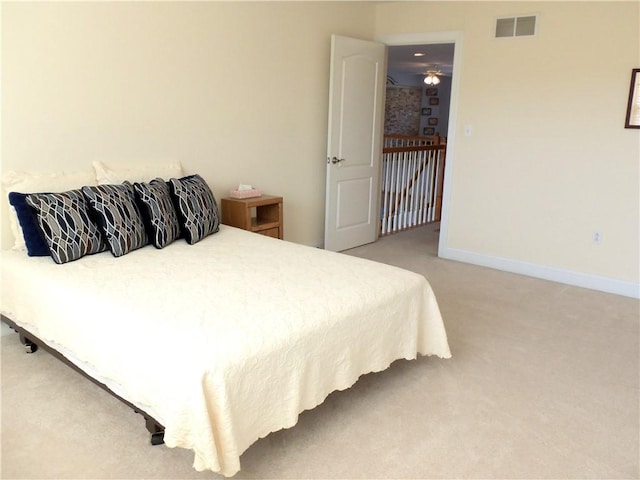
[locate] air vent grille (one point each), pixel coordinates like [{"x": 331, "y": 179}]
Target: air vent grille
[{"x": 523, "y": 26}]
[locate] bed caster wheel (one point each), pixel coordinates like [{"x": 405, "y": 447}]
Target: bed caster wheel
[
  {"x": 29, "y": 346},
  {"x": 155, "y": 429},
  {"x": 157, "y": 438}
]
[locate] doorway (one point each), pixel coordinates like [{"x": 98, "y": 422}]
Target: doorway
[
  {"x": 424, "y": 40},
  {"x": 418, "y": 93}
]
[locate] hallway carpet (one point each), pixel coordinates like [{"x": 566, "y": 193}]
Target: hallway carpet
[{"x": 543, "y": 383}]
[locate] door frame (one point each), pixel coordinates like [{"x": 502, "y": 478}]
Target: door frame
[{"x": 426, "y": 38}]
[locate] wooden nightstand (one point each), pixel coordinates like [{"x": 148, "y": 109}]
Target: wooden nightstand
[{"x": 261, "y": 215}]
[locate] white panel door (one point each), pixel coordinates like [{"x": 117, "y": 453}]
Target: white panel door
[{"x": 354, "y": 146}]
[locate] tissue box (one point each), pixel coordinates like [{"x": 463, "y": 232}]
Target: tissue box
[{"x": 254, "y": 192}]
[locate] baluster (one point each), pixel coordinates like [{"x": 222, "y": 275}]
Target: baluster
[
  {"x": 405, "y": 188},
  {"x": 409, "y": 199},
  {"x": 418, "y": 188},
  {"x": 411, "y": 189},
  {"x": 428, "y": 180},
  {"x": 421, "y": 191},
  {"x": 414, "y": 191},
  {"x": 439, "y": 183},
  {"x": 389, "y": 196},
  {"x": 432, "y": 186},
  {"x": 396, "y": 194},
  {"x": 383, "y": 182},
  {"x": 397, "y": 191},
  {"x": 427, "y": 188},
  {"x": 390, "y": 164}
]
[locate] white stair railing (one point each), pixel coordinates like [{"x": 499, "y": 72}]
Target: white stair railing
[{"x": 412, "y": 179}]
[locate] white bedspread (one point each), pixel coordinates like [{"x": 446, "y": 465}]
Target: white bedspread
[{"x": 227, "y": 340}]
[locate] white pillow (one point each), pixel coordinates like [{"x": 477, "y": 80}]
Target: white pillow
[
  {"x": 25, "y": 182},
  {"x": 116, "y": 174}
]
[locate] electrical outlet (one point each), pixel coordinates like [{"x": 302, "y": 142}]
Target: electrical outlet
[{"x": 597, "y": 237}]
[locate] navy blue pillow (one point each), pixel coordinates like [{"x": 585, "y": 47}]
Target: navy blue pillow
[{"x": 33, "y": 239}]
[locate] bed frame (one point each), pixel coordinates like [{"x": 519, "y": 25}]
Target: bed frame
[{"x": 32, "y": 343}]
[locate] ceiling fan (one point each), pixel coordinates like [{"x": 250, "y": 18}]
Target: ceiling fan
[{"x": 432, "y": 77}]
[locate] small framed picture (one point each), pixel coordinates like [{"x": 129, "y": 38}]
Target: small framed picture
[
  {"x": 430, "y": 92},
  {"x": 426, "y": 111},
  {"x": 432, "y": 121},
  {"x": 429, "y": 131},
  {"x": 434, "y": 101},
  {"x": 633, "y": 106}
]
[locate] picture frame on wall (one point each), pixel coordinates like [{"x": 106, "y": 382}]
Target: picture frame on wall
[
  {"x": 434, "y": 101},
  {"x": 428, "y": 131},
  {"x": 432, "y": 121},
  {"x": 426, "y": 111},
  {"x": 633, "y": 106},
  {"x": 430, "y": 92}
]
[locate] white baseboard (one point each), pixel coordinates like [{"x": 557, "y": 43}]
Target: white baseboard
[
  {"x": 317, "y": 244},
  {"x": 569, "y": 277}
]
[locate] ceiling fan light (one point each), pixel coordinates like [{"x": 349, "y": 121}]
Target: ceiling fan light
[
  {"x": 435, "y": 80},
  {"x": 428, "y": 79}
]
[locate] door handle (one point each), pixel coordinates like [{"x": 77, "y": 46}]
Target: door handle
[{"x": 335, "y": 160}]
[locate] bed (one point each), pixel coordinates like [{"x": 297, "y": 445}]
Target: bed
[{"x": 226, "y": 340}]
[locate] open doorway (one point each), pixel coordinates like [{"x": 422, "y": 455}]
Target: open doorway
[
  {"x": 418, "y": 97},
  {"x": 412, "y": 43}
]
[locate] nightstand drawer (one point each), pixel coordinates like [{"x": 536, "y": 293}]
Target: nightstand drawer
[{"x": 270, "y": 232}]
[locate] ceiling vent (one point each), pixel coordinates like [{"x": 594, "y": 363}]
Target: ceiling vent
[{"x": 524, "y": 26}]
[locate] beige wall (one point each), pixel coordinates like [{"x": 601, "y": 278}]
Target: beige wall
[
  {"x": 236, "y": 91},
  {"x": 549, "y": 161}
]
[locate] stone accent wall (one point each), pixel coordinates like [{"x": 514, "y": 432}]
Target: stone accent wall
[{"x": 402, "y": 110}]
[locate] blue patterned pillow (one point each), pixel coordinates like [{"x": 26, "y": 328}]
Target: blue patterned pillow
[
  {"x": 118, "y": 217},
  {"x": 196, "y": 206},
  {"x": 66, "y": 226},
  {"x": 158, "y": 209},
  {"x": 33, "y": 239}
]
